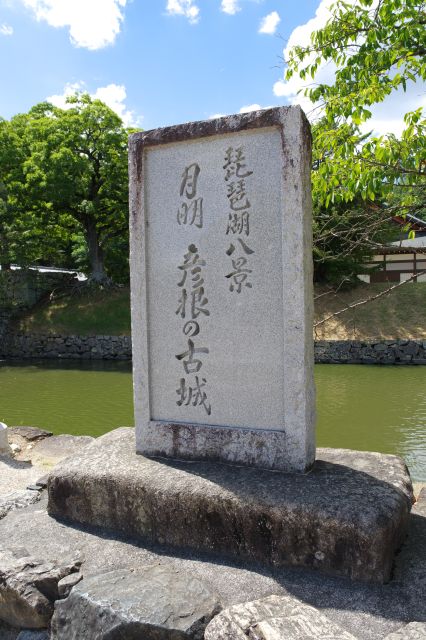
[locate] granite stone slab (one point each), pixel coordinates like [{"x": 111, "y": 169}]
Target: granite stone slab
[
  {"x": 155, "y": 602},
  {"x": 221, "y": 289},
  {"x": 348, "y": 516},
  {"x": 274, "y": 618}
]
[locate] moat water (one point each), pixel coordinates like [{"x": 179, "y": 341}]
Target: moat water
[{"x": 362, "y": 407}]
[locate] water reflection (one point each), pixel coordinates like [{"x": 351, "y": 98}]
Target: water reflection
[
  {"x": 374, "y": 408},
  {"x": 359, "y": 407}
]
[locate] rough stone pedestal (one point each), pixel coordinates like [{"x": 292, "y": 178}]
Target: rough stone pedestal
[{"x": 348, "y": 516}]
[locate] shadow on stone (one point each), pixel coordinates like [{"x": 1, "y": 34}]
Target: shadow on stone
[{"x": 348, "y": 516}]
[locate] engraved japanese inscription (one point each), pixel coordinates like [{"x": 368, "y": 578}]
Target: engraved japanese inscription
[
  {"x": 192, "y": 304},
  {"x": 238, "y": 218},
  {"x": 214, "y": 281},
  {"x": 221, "y": 289}
]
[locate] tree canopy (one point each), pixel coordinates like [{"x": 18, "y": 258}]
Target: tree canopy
[
  {"x": 64, "y": 176},
  {"x": 377, "y": 47}
]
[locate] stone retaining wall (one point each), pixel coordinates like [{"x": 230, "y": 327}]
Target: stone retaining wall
[
  {"x": 21, "y": 289},
  {"x": 19, "y": 345},
  {"x": 378, "y": 352}
]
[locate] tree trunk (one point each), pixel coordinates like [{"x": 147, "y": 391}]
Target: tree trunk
[{"x": 96, "y": 256}]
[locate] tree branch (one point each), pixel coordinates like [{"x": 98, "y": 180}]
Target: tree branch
[{"x": 369, "y": 299}]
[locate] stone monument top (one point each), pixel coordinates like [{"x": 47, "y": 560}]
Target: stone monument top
[{"x": 221, "y": 278}]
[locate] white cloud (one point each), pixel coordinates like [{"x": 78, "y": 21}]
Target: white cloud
[
  {"x": 93, "y": 24},
  {"x": 387, "y": 117},
  {"x": 185, "y": 8},
  {"x": 114, "y": 95},
  {"x": 251, "y": 107},
  {"x": 270, "y": 23},
  {"x": 230, "y": 6},
  {"x": 245, "y": 109},
  {"x": 6, "y": 30}
]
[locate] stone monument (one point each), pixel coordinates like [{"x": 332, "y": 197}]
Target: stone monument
[
  {"x": 221, "y": 271},
  {"x": 221, "y": 275}
]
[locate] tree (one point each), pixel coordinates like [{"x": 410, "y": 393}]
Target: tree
[
  {"x": 74, "y": 177},
  {"x": 29, "y": 232},
  {"x": 377, "y": 47}
]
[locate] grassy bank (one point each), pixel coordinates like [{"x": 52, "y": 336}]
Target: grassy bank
[
  {"x": 100, "y": 313},
  {"x": 400, "y": 314}
]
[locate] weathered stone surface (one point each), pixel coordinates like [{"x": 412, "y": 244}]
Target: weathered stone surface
[
  {"x": 30, "y": 433},
  {"x": 7, "y": 632},
  {"x": 17, "y": 500},
  {"x": 348, "y": 516},
  {"x": 410, "y": 564},
  {"x": 28, "y": 588},
  {"x": 274, "y": 618},
  {"x": 156, "y": 602},
  {"x": 52, "y": 450},
  {"x": 412, "y": 631},
  {"x": 250, "y": 413},
  {"x": 66, "y": 584},
  {"x": 16, "y": 475},
  {"x": 29, "y": 634},
  {"x": 375, "y": 609}
]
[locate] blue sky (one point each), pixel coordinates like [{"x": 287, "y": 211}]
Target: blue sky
[{"x": 160, "y": 62}]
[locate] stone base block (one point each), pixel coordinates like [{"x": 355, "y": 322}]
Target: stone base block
[{"x": 348, "y": 516}]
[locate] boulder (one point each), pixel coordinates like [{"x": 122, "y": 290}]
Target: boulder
[
  {"x": 156, "y": 602},
  {"x": 28, "y": 589},
  {"x": 274, "y": 618},
  {"x": 29, "y": 634}
]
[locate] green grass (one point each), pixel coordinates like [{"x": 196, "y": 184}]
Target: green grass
[
  {"x": 400, "y": 314},
  {"x": 95, "y": 313}
]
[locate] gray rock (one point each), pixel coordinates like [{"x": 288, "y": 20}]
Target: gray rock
[
  {"x": 274, "y": 618},
  {"x": 28, "y": 589},
  {"x": 29, "y": 634},
  {"x": 376, "y": 609},
  {"x": 410, "y": 565},
  {"x": 42, "y": 482},
  {"x": 412, "y": 631},
  {"x": 348, "y": 516},
  {"x": 30, "y": 433},
  {"x": 7, "y": 632},
  {"x": 156, "y": 602},
  {"x": 17, "y": 500},
  {"x": 52, "y": 450},
  {"x": 66, "y": 584}
]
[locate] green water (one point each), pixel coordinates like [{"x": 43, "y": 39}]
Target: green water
[{"x": 359, "y": 407}]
